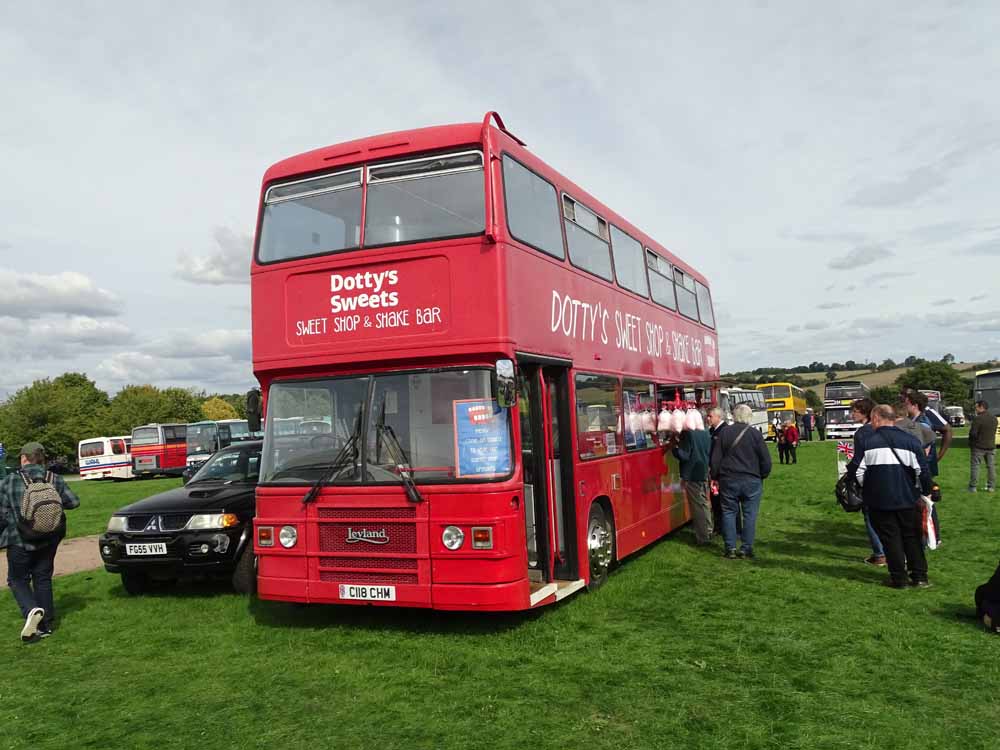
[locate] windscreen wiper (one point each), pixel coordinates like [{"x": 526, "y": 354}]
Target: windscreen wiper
[
  {"x": 349, "y": 451},
  {"x": 398, "y": 456}
]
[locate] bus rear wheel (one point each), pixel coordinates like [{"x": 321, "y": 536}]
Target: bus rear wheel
[{"x": 600, "y": 545}]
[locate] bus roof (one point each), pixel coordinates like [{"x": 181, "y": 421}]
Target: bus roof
[{"x": 438, "y": 138}]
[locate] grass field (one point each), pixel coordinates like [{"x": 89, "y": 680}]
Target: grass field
[
  {"x": 802, "y": 648},
  {"x": 99, "y": 499}
]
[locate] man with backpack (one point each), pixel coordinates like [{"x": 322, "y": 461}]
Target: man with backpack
[{"x": 32, "y": 523}]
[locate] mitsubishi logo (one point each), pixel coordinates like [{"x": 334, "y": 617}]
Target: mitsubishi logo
[
  {"x": 367, "y": 535},
  {"x": 153, "y": 525}
]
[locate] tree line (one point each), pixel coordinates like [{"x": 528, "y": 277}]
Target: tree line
[
  {"x": 60, "y": 412},
  {"x": 956, "y": 388},
  {"x": 765, "y": 374}
]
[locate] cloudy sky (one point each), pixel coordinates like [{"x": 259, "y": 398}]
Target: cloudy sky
[{"x": 832, "y": 168}]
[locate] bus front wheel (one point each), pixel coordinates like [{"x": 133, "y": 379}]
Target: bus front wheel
[{"x": 600, "y": 545}]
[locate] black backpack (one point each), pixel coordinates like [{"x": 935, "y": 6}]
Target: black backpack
[{"x": 848, "y": 493}]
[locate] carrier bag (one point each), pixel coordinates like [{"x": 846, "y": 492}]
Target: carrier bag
[{"x": 848, "y": 493}]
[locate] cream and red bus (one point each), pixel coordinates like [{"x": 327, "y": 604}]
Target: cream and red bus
[
  {"x": 105, "y": 457},
  {"x": 485, "y": 344}
]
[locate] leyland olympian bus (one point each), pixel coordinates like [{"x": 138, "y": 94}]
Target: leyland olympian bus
[
  {"x": 207, "y": 437},
  {"x": 159, "y": 449},
  {"x": 837, "y": 400},
  {"x": 785, "y": 402},
  {"x": 490, "y": 346},
  {"x": 105, "y": 457},
  {"x": 986, "y": 388}
]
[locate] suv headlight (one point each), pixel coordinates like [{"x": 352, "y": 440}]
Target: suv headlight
[
  {"x": 116, "y": 524},
  {"x": 204, "y": 521}
]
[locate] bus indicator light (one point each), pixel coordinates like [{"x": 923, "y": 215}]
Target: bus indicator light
[{"x": 482, "y": 537}]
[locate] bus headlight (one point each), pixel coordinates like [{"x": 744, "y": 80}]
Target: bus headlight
[
  {"x": 116, "y": 523},
  {"x": 288, "y": 536},
  {"x": 452, "y": 537}
]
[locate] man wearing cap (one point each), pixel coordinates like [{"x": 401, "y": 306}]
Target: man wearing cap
[{"x": 30, "y": 565}]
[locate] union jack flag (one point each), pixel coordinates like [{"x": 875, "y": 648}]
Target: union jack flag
[{"x": 846, "y": 448}]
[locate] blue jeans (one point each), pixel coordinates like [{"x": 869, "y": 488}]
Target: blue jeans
[
  {"x": 29, "y": 575},
  {"x": 876, "y": 543},
  {"x": 740, "y": 496}
]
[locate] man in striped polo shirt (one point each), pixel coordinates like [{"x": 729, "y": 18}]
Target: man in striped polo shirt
[{"x": 889, "y": 469}]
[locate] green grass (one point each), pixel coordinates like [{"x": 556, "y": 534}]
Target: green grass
[
  {"x": 800, "y": 649},
  {"x": 99, "y": 499}
]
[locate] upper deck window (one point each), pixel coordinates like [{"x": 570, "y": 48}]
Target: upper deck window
[
  {"x": 532, "y": 208},
  {"x": 661, "y": 283},
  {"x": 705, "y": 304},
  {"x": 309, "y": 217},
  {"x": 425, "y": 199},
  {"x": 628, "y": 262},
  {"x": 687, "y": 304},
  {"x": 587, "y": 239}
]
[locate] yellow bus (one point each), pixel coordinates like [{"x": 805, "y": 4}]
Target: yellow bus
[{"x": 785, "y": 401}]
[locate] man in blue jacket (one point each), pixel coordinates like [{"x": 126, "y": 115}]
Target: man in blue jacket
[{"x": 888, "y": 468}]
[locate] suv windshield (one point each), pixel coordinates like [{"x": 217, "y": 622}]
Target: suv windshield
[
  {"x": 232, "y": 465},
  {"x": 441, "y": 426}
]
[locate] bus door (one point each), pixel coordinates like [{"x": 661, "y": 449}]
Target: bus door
[{"x": 550, "y": 521}]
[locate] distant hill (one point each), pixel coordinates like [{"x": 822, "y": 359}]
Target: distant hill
[{"x": 871, "y": 378}]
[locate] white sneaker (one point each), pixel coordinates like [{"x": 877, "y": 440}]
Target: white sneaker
[{"x": 31, "y": 623}]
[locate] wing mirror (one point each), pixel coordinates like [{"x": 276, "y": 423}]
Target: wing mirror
[
  {"x": 506, "y": 383},
  {"x": 254, "y": 413}
]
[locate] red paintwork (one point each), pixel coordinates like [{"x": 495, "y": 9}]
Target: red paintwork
[
  {"x": 494, "y": 296},
  {"x": 172, "y": 456}
]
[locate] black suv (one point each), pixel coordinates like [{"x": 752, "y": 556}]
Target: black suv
[{"x": 203, "y": 528}]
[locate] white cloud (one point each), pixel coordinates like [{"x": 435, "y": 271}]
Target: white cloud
[
  {"x": 862, "y": 255},
  {"x": 230, "y": 264},
  {"x": 32, "y": 295},
  {"x": 234, "y": 344}
]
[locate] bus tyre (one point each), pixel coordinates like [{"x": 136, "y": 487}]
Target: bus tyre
[
  {"x": 134, "y": 582},
  {"x": 600, "y": 545},
  {"x": 245, "y": 574}
]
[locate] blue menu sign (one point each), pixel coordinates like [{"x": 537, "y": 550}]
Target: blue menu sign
[{"x": 482, "y": 439}]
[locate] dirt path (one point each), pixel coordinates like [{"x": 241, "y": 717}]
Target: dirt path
[{"x": 74, "y": 556}]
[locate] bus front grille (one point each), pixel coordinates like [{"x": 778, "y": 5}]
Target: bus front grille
[
  {"x": 383, "y": 538},
  {"x": 344, "y": 576},
  {"x": 378, "y": 563}
]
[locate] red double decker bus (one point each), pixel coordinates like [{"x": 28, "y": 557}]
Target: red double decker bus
[
  {"x": 471, "y": 352},
  {"x": 159, "y": 449}
]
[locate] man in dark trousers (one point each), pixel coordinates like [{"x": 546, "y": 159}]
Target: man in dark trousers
[
  {"x": 821, "y": 425},
  {"x": 887, "y": 469},
  {"x": 807, "y": 426},
  {"x": 740, "y": 463},
  {"x": 982, "y": 447},
  {"x": 30, "y": 564}
]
